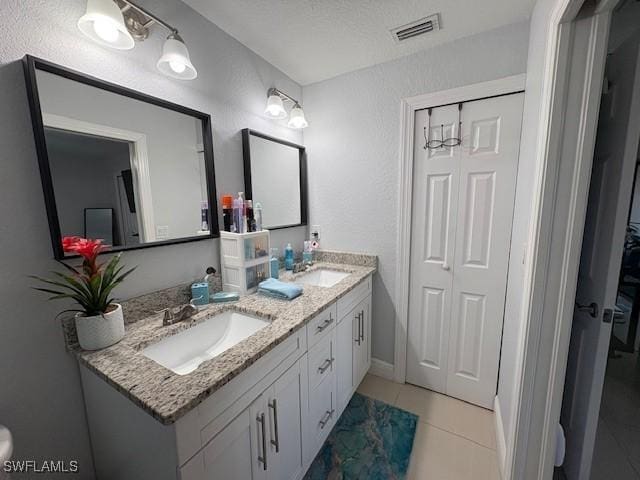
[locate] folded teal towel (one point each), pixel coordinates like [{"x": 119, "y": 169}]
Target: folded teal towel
[{"x": 277, "y": 289}]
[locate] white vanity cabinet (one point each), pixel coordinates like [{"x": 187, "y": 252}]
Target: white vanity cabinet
[
  {"x": 268, "y": 423},
  {"x": 353, "y": 353},
  {"x": 264, "y": 442}
]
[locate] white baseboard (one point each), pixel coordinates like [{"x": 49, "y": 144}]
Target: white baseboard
[
  {"x": 380, "y": 368},
  {"x": 501, "y": 446}
]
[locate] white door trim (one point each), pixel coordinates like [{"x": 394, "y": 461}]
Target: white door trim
[
  {"x": 559, "y": 205},
  {"x": 139, "y": 157},
  {"x": 408, "y": 108}
]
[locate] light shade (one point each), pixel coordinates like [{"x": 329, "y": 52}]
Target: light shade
[
  {"x": 275, "y": 108},
  {"x": 175, "y": 61},
  {"x": 103, "y": 23},
  {"x": 296, "y": 118}
]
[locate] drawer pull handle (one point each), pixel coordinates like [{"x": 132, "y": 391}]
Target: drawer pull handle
[
  {"x": 326, "y": 418},
  {"x": 327, "y": 363},
  {"x": 262, "y": 459},
  {"x": 274, "y": 406},
  {"x": 361, "y": 324},
  {"x": 325, "y": 324},
  {"x": 359, "y": 336}
]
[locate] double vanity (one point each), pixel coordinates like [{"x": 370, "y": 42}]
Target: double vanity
[
  {"x": 243, "y": 390},
  {"x": 248, "y": 390}
]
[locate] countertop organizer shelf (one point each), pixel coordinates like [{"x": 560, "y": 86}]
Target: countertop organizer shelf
[{"x": 244, "y": 260}]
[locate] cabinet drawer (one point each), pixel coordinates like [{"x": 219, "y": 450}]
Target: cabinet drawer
[
  {"x": 322, "y": 413},
  {"x": 355, "y": 296},
  {"x": 319, "y": 326},
  {"x": 322, "y": 360}
]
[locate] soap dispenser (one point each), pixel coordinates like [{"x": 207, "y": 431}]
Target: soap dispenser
[{"x": 288, "y": 257}]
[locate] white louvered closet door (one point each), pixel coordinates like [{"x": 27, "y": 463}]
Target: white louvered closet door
[{"x": 463, "y": 201}]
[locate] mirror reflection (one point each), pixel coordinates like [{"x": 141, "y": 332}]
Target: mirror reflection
[
  {"x": 275, "y": 177},
  {"x": 124, "y": 170}
]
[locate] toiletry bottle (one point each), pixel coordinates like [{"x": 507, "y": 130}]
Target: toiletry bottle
[
  {"x": 257, "y": 212},
  {"x": 274, "y": 263},
  {"x": 238, "y": 215},
  {"x": 288, "y": 257},
  {"x": 251, "y": 224},
  {"x": 307, "y": 255},
  {"x": 227, "y": 212},
  {"x": 243, "y": 213},
  {"x": 209, "y": 279},
  {"x": 235, "y": 224}
]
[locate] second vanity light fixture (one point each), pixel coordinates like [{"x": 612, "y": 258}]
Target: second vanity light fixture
[
  {"x": 117, "y": 23},
  {"x": 275, "y": 109}
]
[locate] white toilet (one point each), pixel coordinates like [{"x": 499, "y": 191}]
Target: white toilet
[{"x": 6, "y": 449}]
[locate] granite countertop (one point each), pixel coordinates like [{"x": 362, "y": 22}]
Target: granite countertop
[{"x": 166, "y": 395}]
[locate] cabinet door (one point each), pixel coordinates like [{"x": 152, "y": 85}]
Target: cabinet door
[
  {"x": 260, "y": 453},
  {"x": 362, "y": 342},
  {"x": 229, "y": 455},
  {"x": 345, "y": 341},
  {"x": 284, "y": 404}
]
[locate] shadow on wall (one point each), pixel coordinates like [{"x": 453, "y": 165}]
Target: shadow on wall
[
  {"x": 383, "y": 331},
  {"x": 41, "y": 401}
]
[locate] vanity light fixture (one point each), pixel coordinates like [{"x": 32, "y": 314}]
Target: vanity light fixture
[
  {"x": 104, "y": 23},
  {"x": 296, "y": 117},
  {"x": 117, "y": 23},
  {"x": 275, "y": 109}
]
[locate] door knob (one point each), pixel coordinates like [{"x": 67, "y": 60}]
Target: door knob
[{"x": 592, "y": 309}]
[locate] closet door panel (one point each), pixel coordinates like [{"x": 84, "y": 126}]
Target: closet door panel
[
  {"x": 487, "y": 174},
  {"x": 435, "y": 198}
]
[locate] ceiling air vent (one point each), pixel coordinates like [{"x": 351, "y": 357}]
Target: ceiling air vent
[{"x": 414, "y": 29}]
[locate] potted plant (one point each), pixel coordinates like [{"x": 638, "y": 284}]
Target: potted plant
[{"x": 99, "y": 321}]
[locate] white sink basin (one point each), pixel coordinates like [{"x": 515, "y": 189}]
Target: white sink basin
[
  {"x": 322, "y": 277},
  {"x": 184, "y": 351}
]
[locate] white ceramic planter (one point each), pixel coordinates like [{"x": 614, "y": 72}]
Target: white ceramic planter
[{"x": 100, "y": 331}]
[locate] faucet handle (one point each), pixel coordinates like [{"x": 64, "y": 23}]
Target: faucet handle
[{"x": 168, "y": 315}]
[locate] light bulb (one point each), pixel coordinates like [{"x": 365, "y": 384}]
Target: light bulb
[
  {"x": 296, "y": 118},
  {"x": 175, "y": 61},
  {"x": 275, "y": 108},
  {"x": 177, "y": 67},
  {"x": 106, "y": 30},
  {"x": 104, "y": 24}
]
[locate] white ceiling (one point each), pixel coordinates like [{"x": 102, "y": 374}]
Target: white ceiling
[{"x": 312, "y": 40}]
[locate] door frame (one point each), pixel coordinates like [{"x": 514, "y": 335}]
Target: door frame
[
  {"x": 139, "y": 163},
  {"x": 564, "y": 155},
  {"x": 409, "y": 106}
]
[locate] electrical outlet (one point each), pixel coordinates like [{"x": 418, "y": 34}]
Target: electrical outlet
[
  {"x": 162, "y": 232},
  {"x": 315, "y": 232}
]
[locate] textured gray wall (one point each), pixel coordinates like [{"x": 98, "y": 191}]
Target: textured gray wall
[
  {"x": 354, "y": 143},
  {"x": 40, "y": 396}
]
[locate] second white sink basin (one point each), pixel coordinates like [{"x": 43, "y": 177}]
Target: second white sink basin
[
  {"x": 322, "y": 277},
  {"x": 184, "y": 351}
]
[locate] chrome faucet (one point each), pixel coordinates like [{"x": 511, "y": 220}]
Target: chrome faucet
[
  {"x": 184, "y": 312},
  {"x": 299, "y": 267}
]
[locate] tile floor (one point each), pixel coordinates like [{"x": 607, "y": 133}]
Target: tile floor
[
  {"x": 454, "y": 440},
  {"x": 617, "y": 451}
]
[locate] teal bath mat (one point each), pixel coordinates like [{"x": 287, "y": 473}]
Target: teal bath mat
[{"x": 371, "y": 441}]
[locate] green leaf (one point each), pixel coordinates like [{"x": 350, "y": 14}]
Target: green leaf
[
  {"x": 73, "y": 282},
  {"x": 58, "y": 284},
  {"x": 69, "y": 267},
  {"x": 124, "y": 275},
  {"x": 53, "y": 292}
]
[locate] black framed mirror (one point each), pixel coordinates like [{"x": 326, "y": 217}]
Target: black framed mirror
[
  {"x": 120, "y": 162},
  {"x": 275, "y": 175}
]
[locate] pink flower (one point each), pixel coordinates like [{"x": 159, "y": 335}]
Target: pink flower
[{"x": 86, "y": 248}]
